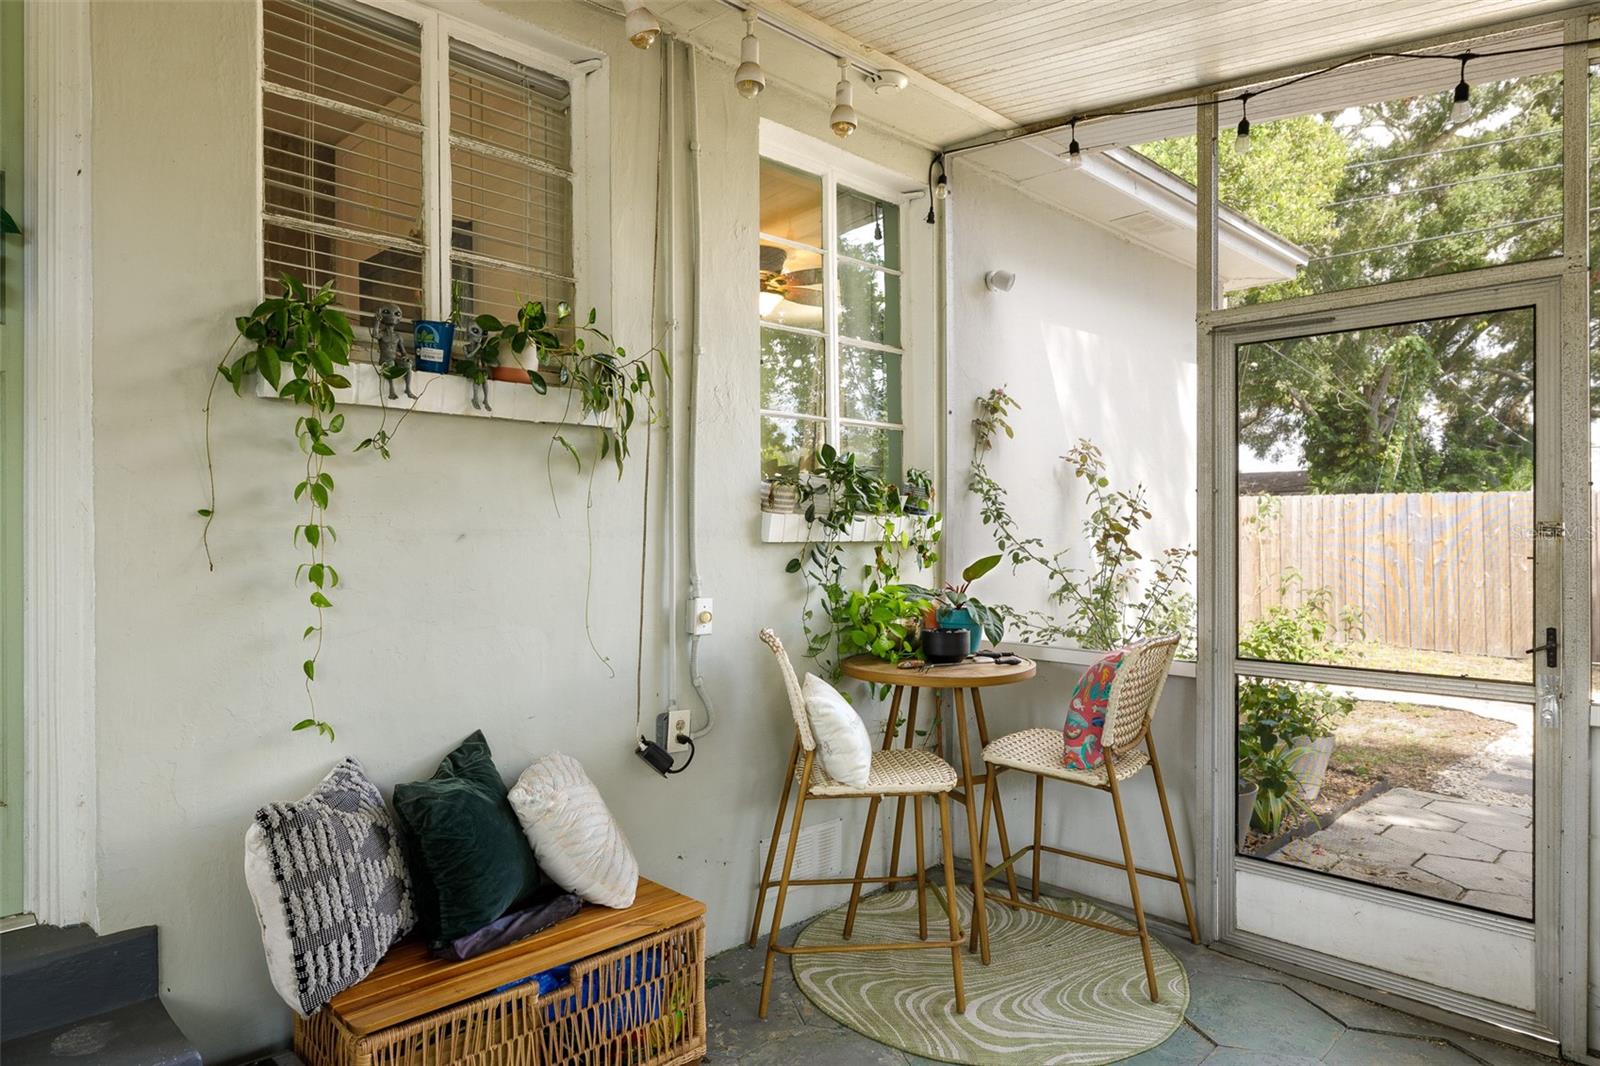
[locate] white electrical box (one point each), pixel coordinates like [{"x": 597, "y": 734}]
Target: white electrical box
[{"x": 700, "y": 616}]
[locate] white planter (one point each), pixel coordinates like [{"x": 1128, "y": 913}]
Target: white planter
[{"x": 1311, "y": 764}]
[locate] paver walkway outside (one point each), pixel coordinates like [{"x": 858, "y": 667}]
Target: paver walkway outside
[{"x": 1475, "y": 853}]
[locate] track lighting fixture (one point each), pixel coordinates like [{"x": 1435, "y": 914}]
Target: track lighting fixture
[
  {"x": 1074, "y": 153},
  {"x": 843, "y": 118},
  {"x": 1461, "y": 106},
  {"x": 641, "y": 26},
  {"x": 749, "y": 78},
  {"x": 1241, "y": 140}
]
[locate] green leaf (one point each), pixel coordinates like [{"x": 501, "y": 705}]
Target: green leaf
[
  {"x": 313, "y": 534},
  {"x": 310, "y": 668},
  {"x": 320, "y": 448},
  {"x": 300, "y": 489},
  {"x": 326, "y": 479},
  {"x": 315, "y": 572},
  {"x": 536, "y": 379},
  {"x": 309, "y": 630},
  {"x": 319, "y": 495},
  {"x": 793, "y": 567},
  {"x": 337, "y": 424},
  {"x": 204, "y": 512},
  {"x": 304, "y": 723},
  {"x": 570, "y": 450},
  {"x": 980, "y": 567},
  {"x": 319, "y": 600},
  {"x": 270, "y": 366}
]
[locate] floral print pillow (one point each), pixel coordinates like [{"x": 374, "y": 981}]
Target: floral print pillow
[{"x": 1086, "y": 714}]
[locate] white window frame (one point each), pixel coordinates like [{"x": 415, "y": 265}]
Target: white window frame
[
  {"x": 836, "y": 167},
  {"x": 585, "y": 71}
]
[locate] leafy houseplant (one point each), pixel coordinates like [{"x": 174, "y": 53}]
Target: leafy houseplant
[
  {"x": 883, "y": 623},
  {"x": 836, "y": 495},
  {"x": 919, "y": 491},
  {"x": 958, "y": 609},
  {"x": 300, "y": 345}
]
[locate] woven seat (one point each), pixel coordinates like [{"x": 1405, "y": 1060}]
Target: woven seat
[
  {"x": 908, "y": 773},
  {"x": 898, "y": 771},
  {"x": 1039, "y": 751},
  {"x": 1127, "y": 748}
]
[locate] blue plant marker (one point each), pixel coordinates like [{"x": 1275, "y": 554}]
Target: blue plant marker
[{"x": 433, "y": 341}]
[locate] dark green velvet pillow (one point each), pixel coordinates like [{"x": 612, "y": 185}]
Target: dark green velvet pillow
[{"x": 469, "y": 861}]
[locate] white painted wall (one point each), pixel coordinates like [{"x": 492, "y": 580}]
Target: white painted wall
[
  {"x": 1095, "y": 340},
  {"x": 464, "y": 589}
]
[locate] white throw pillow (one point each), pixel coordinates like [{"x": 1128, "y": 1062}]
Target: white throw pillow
[
  {"x": 574, "y": 837},
  {"x": 842, "y": 739}
]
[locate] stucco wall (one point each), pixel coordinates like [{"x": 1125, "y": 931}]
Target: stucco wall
[
  {"x": 1096, "y": 340},
  {"x": 464, "y": 590}
]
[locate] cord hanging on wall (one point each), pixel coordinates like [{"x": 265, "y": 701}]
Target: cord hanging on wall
[
  {"x": 749, "y": 79},
  {"x": 642, "y": 27},
  {"x": 1461, "y": 106},
  {"x": 843, "y": 118}
]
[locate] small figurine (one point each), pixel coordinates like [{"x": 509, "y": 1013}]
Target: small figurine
[
  {"x": 475, "y": 365},
  {"x": 391, "y": 350}
]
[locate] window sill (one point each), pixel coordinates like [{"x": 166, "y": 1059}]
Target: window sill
[
  {"x": 794, "y": 529},
  {"x": 1051, "y": 653},
  {"x": 451, "y": 394}
]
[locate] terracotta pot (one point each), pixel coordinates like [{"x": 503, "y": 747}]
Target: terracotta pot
[{"x": 509, "y": 373}]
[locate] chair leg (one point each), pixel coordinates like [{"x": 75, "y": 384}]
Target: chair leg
[
  {"x": 922, "y": 871},
  {"x": 772, "y": 847},
  {"x": 783, "y": 891},
  {"x": 861, "y": 866},
  {"x": 900, "y": 804},
  {"x": 999, "y": 808},
  {"x": 1133, "y": 881},
  {"x": 1038, "y": 829},
  {"x": 950, "y": 901},
  {"x": 1172, "y": 839}
]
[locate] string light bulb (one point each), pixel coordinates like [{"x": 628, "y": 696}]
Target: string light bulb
[
  {"x": 1074, "y": 153},
  {"x": 941, "y": 188},
  {"x": 1241, "y": 139},
  {"x": 1461, "y": 105},
  {"x": 749, "y": 78},
  {"x": 640, "y": 24},
  {"x": 843, "y": 118}
]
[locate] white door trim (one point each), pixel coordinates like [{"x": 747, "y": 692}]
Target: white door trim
[{"x": 58, "y": 470}]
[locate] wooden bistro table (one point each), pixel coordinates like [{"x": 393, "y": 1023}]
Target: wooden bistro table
[{"x": 973, "y": 676}]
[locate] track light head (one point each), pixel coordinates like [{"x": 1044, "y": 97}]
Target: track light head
[
  {"x": 640, "y": 24},
  {"x": 843, "y": 118},
  {"x": 749, "y": 79}
]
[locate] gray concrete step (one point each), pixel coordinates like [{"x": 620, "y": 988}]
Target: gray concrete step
[
  {"x": 50, "y": 977},
  {"x": 140, "y": 1034}
]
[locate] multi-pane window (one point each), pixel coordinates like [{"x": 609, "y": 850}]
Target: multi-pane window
[
  {"x": 830, "y": 307},
  {"x": 376, "y": 159}
]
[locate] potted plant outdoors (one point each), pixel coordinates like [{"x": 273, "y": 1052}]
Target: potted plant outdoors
[
  {"x": 531, "y": 330},
  {"x": 955, "y": 608},
  {"x": 1248, "y": 791},
  {"x": 1299, "y": 718}
]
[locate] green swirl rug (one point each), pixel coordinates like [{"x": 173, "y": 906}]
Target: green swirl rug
[{"x": 1056, "y": 992}]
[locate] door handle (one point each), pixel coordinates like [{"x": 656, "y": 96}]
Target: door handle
[{"x": 1548, "y": 647}]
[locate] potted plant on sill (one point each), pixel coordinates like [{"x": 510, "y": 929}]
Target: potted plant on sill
[
  {"x": 780, "y": 494},
  {"x": 918, "y": 492},
  {"x": 955, "y": 608}
]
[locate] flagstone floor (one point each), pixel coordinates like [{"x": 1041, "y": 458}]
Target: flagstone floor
[{"x": 1239, "y": 1014}]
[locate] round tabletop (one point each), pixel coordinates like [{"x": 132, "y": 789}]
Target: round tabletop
[{"x": 973, "y": 673}]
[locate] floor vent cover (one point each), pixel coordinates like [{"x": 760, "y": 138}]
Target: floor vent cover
[{"x": 820, "y": 852}]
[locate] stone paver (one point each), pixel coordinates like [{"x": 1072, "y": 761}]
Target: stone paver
[{"x": 1477, "y": 851}]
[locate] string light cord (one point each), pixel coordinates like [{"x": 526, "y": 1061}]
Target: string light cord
[{"x": 1243, "y": 96}]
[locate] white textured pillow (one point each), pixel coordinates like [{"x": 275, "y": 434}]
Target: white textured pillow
[
  {"x": 574, "y": 837},
  {"x": 841, "y": 734}
]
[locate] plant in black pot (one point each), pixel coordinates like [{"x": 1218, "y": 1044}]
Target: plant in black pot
[{"x": 956, "y": 608}]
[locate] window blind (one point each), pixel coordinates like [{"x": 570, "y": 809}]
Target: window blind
[{"x": 342, "y": 154}]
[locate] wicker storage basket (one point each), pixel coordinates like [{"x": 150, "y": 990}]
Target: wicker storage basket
[{"x": 641, "y": 1004}]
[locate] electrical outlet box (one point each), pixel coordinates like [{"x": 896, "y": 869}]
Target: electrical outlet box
[
  {"x": 669, "y": 725},
  {"x": 700, "y": 616}
]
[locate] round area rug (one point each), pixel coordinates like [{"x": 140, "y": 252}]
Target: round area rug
[{"x": 1055, "y": 992}]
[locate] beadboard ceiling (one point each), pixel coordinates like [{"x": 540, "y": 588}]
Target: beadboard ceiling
[{"x": 1037, "y": 59}]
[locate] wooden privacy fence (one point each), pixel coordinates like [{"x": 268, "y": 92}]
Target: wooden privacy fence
[{"x": 1441, "y": 571}]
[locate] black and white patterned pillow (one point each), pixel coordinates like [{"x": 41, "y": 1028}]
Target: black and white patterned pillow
[{"x": 330, "y": 886}]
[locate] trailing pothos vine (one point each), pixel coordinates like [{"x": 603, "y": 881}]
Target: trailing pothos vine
[
  {"x": 871, "y": 618},
  {"x": 300, "y": 344}
]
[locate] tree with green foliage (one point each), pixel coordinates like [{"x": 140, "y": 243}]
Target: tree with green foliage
[{"x": 1440, "y": 405}]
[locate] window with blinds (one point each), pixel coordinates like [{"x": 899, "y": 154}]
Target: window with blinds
[{"x": 373, "y": 157}]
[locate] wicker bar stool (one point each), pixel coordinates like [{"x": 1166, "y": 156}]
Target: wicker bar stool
[
  {"x": 1128, "y": 748},
  {"x": 909, "y": 773}
]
